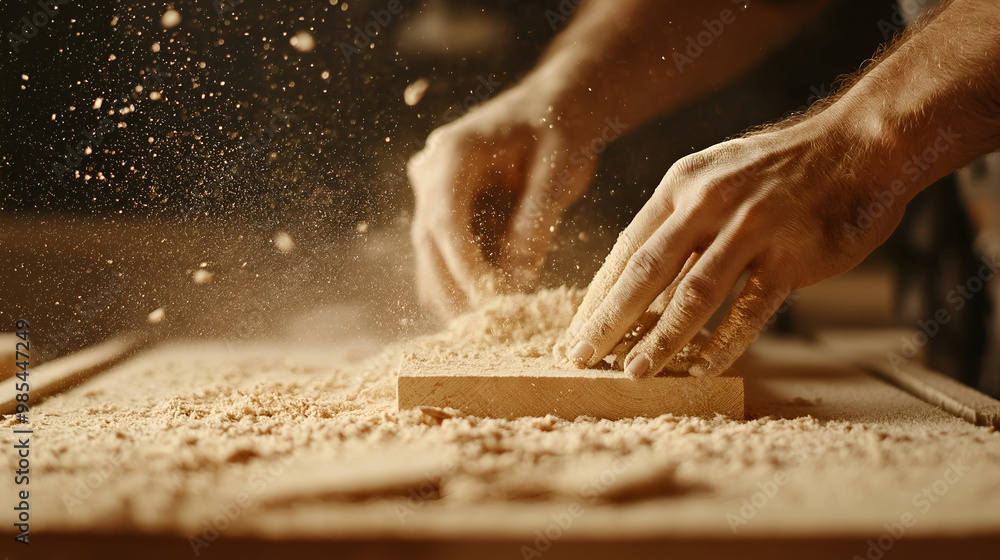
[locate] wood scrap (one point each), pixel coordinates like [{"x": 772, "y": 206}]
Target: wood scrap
[
  {"x": 871, "y": 350},
  {"x": 62, "y": 373}
]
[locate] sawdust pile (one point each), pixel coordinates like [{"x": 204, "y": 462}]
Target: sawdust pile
[
  {"x": 160, "y": 442},
  {"x": 519, "y": 325}
]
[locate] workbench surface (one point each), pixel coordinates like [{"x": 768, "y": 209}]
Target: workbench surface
[{"x": 274, "y": 442}]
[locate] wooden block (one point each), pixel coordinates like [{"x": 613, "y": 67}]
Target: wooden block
[{"x": 510, "y": 387}]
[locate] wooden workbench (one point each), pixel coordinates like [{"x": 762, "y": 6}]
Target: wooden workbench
[{"x": 826, "y": 508}]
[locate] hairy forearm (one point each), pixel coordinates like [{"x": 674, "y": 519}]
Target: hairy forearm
[
  {"x": 641, "y": 58},
  {"x": 931, "y": 102}
]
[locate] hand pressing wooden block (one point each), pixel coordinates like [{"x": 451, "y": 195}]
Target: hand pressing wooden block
[{"x": 511, "y": 387}]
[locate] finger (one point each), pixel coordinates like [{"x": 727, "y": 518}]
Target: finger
[
  {"x": 602, "y": 283},
  {"x": 649, "y": 318},
  {"x": 463, "y": 259},
  {"x": 553, "y": 184},
  {"x": 436, "y": 288},
  {"x": 653, "y": 213},
  {"x": 648, "y": 273},
  {"x": 755, "y": 304},
  {"x": 698, "y": 294},
  {"x": 449, "y": 223}
]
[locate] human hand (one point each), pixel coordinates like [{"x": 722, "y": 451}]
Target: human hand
[
  {"x": 774, "y": 205},
  {"x": 490, "y": 189}
]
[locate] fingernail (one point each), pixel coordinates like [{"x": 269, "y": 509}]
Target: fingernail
[
  {"x": 637, "y": 367},
  {"x": 574, "y": 329},
  {"x": 581, "y": 352}
]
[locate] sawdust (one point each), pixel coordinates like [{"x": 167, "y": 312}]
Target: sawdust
[
  {"x": 519, "y": 324},
  {"x": 163, "y": 441}
]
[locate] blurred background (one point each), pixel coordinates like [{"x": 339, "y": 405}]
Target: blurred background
[{"x": 226, "y": 165}]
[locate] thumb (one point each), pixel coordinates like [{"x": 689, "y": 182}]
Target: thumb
[{"x": 556, "y": 179}]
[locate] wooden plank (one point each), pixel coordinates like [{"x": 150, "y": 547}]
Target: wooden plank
[
  {"x": 944, "y": 392},
  {"x": 62, "y": 373},
  {"x": 870, "y": 350},
  {"x": 511, "y": 387}
]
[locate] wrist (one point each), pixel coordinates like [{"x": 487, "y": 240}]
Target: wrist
[
  {"x": 880, "y": 147},
  {"x": 558, "y": 87}
]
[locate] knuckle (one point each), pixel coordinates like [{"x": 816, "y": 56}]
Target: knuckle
[
  {"x": 441, "y": 141},
  {"x": 644, "y": 269},
  {"x": 555, "y": 197},
  {"x": 755, "y": 316},
  {"x": 750, "y": 218},
  {"x": 720, "y": 189},
  {"x": 439, "y": 137},
  {"x": 422, "y": 231},
  {"x": 695, "y": 296},
  {"x": 679, "y": 174},
  {"x": 414, "y": 167},
  {"x": 628, "y": 242},
  {"x": 419, "y": 235},
  {"x": 537, "y": 205},
  {"x": 688, "y": 165}
]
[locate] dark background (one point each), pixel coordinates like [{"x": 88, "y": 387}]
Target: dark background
[
  {"x": 332, "y": 164},
  {"x": 183, "y": 184}
]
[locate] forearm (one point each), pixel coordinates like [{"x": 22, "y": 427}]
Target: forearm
[
  {"x": 640, "y": 58},
  {"x": 931, "y": 103}
]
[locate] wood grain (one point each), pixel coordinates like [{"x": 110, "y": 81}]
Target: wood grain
[{"x": 511, "y": 387}]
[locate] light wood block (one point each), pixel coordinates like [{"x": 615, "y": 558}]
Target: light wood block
[{"x": 510, "y": 387}]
